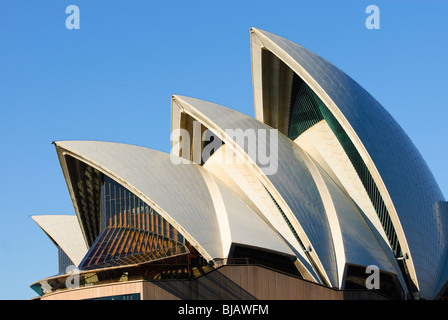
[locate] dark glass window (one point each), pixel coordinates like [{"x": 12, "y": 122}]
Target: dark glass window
[
  {"x": 86, "y": 182},
  {"x": 304, "y": 108},
  {"x": 366, "y": 178},
  {"x": 131, "y": 231},
  {"x": 264, "y": 258},
  {"x": 307, "y": 109},
  {"x": 389, "y": 286},
  {"x": 64, "y": 261},
  {"x": 135, "y": 296}
]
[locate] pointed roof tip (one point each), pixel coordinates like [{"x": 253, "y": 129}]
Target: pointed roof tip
[
  {"x": 57, "y": 143},
  {"x": 178, "y": 98},
  {"x": 187, "y": 99},
  {"x": 37, "y": 217},
  {"x": 258, "y": 30},
  {"x": 181, "y": 97},
  {"x": 175, "y": 96},
  {"x": 269, "y": 35},
  {"x": 254, "y": 30}
]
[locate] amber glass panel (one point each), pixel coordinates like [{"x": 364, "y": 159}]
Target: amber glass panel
[{"x": 132, "y": 231}]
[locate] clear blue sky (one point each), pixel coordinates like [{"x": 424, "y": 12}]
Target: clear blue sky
[{"x": 112, "y": 80}]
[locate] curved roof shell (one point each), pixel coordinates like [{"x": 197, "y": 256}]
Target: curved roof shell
[
  {"x": 204, "y": 210},
  {"x": 321, "y": 214},
  {"x": 404, "y": 179},
  {"x": 65, "y": 232},
  {"x": 345, "y": 188}
]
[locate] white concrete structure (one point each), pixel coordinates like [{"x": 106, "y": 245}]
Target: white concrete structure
[
  {"x": 322, "y": 179},
  {"x": 202, "y": 208},
  {"x": 65, "y": 232},
  {"x": 404, "y": 182}
]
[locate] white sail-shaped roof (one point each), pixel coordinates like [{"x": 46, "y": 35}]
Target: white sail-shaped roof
[
  {"x": 387, "y": 151},
  {"x": 323, "y": 176},
  {"x": 65, "y": 232},
  {"x": 319, "y": 211},
  {"x": 203, "y": 209}
]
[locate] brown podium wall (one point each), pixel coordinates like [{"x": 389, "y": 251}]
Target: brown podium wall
[{"x": 242, "y": 282}]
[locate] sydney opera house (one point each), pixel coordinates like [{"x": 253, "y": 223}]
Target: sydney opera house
[{"x": 310, "y": 199}]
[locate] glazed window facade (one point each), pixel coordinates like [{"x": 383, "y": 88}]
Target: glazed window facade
[
  {"x": 134, "y": 296},
  {"x": 64, "y": 261},
  {"x": 121, "y": 208},
  {"x": 306, "y": 110},
  {"x": 131, "y": 231}
]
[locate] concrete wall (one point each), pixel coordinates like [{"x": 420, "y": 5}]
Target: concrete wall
[{"x": 226, "y": 283}]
